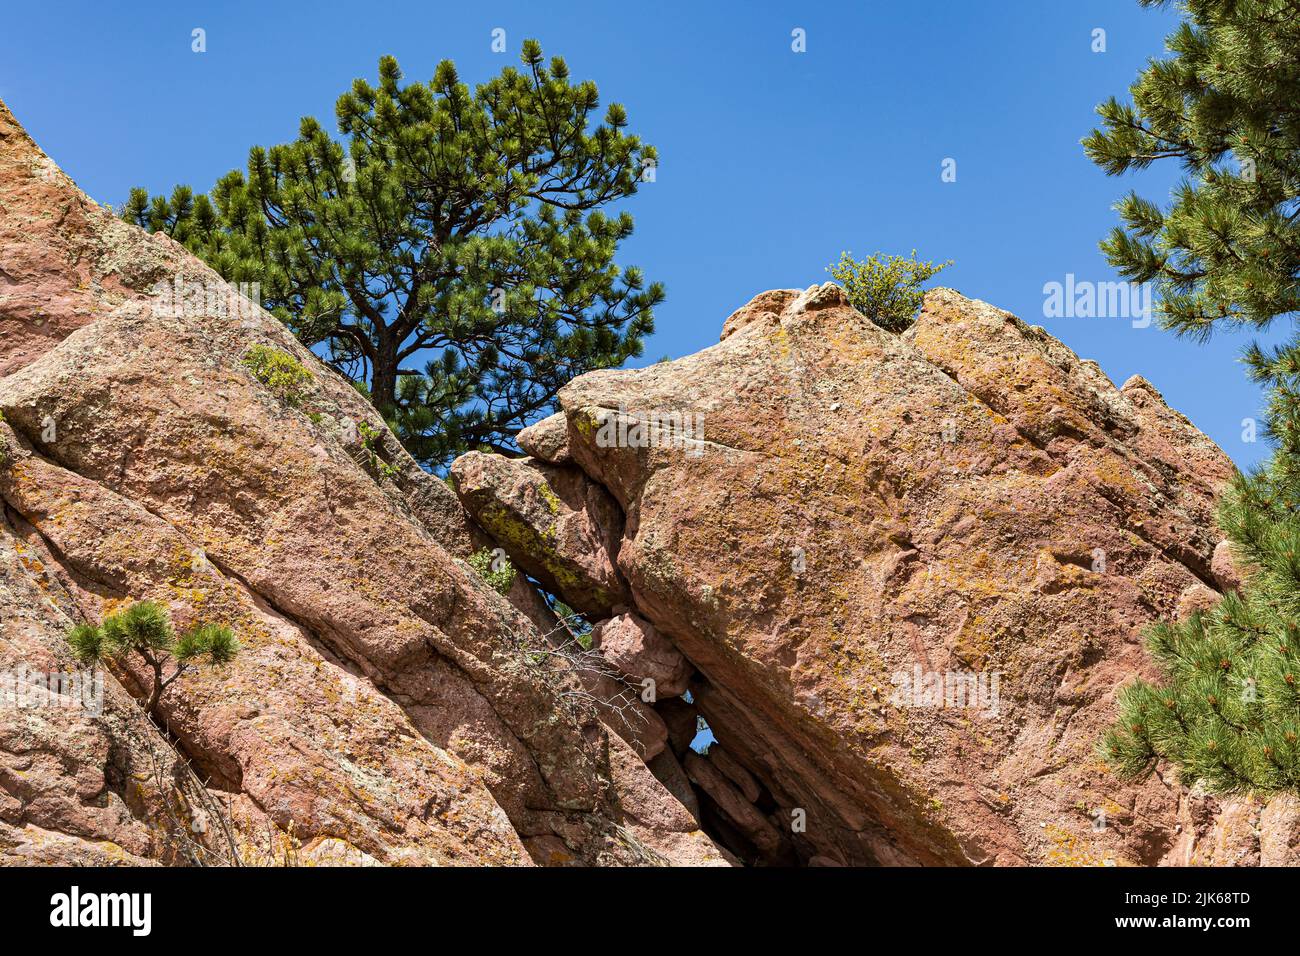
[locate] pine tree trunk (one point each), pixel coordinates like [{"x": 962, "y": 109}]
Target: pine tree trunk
[
  {"x": 383, "y": 379},
  {"x": 155, "y": 694}
]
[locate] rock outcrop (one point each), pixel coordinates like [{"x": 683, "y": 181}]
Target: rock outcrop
[
  {"x": 899, "y": 578},
  {"x": 563, "y": 529},
  {"x": 910, "y": 573},
  {"x": 387, "y": 706}
]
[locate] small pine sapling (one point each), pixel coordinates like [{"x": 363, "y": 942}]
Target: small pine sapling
[{"x": 144, "y": 631}]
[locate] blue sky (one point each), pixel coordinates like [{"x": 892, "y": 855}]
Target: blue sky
[{"x": 771, "y": 161}]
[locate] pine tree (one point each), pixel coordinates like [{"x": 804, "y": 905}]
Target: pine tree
[
  {"x": 454, "y": 261},
  {"x": 144, "y": 630},
  {"x": 1226, "y": 710},
  {"x": 1226, "y": 106}
]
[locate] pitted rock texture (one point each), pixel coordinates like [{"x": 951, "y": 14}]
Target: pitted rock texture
[
  {"x": 563, "y": 528},
  {"x": 864, "y": 518},
  {"x": 639, "y": 652},
  {"x": 387, "y": 706},
  {"x": 547, "y": 440}
]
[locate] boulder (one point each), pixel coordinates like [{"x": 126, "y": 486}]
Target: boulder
[
  {"x": 830, "y": 519},
  {"x": 547, "y": 440},
  {"x": 1279, "y": 831},
  {"x": 1223, "y": 565},
  {"x": 734, "y": 771},
  {"x": 638, "y": 651},
  {"x": 556, "y": 524},
  {"x": 904, "y": 576},
  {"x": 772, "y": 846}
]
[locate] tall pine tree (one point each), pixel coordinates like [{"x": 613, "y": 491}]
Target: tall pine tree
[
  {"x": 455, "y": 260},
  {"x": 1226, "y": 251},
  {"x": 1226, "y": 106}
]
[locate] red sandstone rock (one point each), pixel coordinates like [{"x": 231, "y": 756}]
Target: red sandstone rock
[
  {"x": 772, "y": 845},
  {"x": 1224, "y": 567},
  {"x": 560, "y": 527},
  {"x": 638, "y": 651},
  {"x": 969, "y": 502},
  {"x": 860, "y": 515},
  {"x": 547, "y": 440},
  {"x": 387, "y": 705}
]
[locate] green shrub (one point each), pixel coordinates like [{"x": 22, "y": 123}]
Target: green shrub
[
  {"x": 280, "y": 372},
  {"x": 887, "y": 290},
  {"x": 371, "y": 439}
]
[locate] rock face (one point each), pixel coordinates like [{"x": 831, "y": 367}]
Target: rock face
[
  {"x": 387, "y": 706},
  {"x": 900, "y": 579},
  {"x": 563, "y": 529},
  {"x": 547, "y": 440},
  {"x": 640, "y": 652},
  {"x": 911, "y": 574}
]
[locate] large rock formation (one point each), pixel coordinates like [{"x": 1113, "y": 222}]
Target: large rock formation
[
  {"x": 911, "y": 573},
  {"x": 387, "y": 706},
  {"x": 899, "y": 578}
]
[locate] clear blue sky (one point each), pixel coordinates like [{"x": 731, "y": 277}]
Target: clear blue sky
[{"x": 772, "y": 161}]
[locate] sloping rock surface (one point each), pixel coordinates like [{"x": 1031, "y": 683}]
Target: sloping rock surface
[
  {"x": 387, "y": 706},
  {"x": 911, "y": 573}
]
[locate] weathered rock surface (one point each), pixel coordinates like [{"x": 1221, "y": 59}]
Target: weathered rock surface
[
  {"x": 387, "y": 706},
  {"x": 766, "y": 837},
  {"x": 562, "y": 528},
  {"x": 639, "y": 652},
  {"x": 868, "y": 517},
  {"x": 1224, "y": 567},
  {"x": 547, "y": 440}
]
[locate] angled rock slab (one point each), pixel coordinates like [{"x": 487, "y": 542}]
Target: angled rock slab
[
  {"x": 858, "y": 512},
  {"x": 553, "y": 521}
]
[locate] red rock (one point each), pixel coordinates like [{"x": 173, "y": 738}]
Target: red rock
[
  {"x": 556, "y": 524},
  {"x": 967, "y": 502},
  {"x": 735, "y": 772},
  {"x": 386, "y": 707},
  {"x": 773, "y": 847},
  {"x": 1279, "y": 831},
  {"x": 547, "y": 440},
  {"x": 638, "y": 651},
  {"x": 1223, "y": 566}
]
